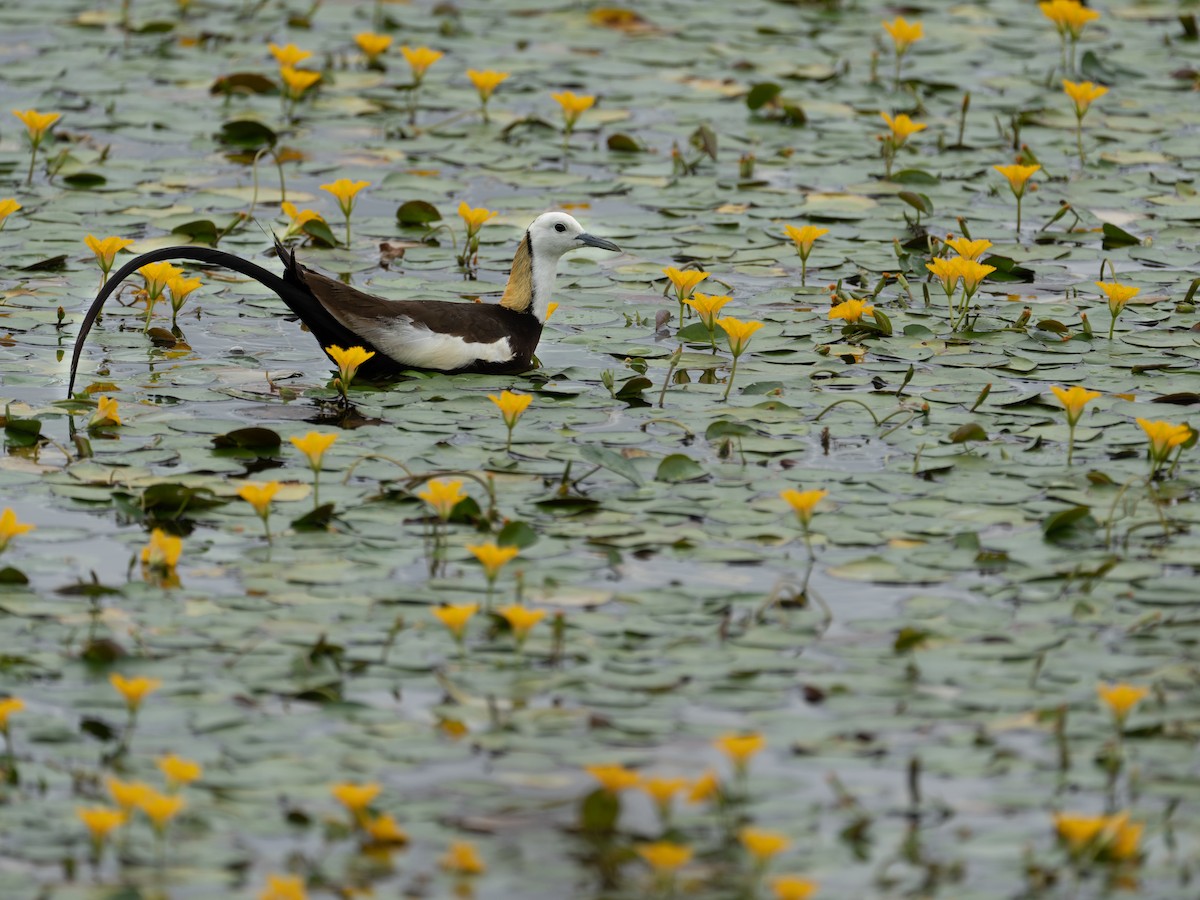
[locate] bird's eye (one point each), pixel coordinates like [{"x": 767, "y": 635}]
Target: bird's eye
[{"x": 560, "y": 227}]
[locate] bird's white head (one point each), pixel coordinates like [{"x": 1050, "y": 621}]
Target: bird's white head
[
  {"x": 531, "y": 280},
  {"x": 554, "y": 233}
]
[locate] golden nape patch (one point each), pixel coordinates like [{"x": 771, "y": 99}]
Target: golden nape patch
[{"x": 518, "y": 293}]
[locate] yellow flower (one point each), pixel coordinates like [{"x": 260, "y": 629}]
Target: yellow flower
[
  {"x": 968, "y": 249},
  {"x": 511, "y": 405},
  {"x": 180, "y": 287},
  {"x": 492, "y": 557},
  {"x": 707, "y": 306},
  {"x": 289, "y": 54},
  {"x": 299, "y": 217},
  {"x": 740, "y": 747},
  {"x": 1073, "y": 400},
  {"x": 1164, "y": 437},
  {"x": 420, "y": 59},
  {"x": 520, "y": 619},
  {"x": 573, "y": 106},
  {"x": 355, "y": 797},
  {"x": 385, "y": 830},
  {"x": 738, "y": 333},
  {"x": 1082, "y": 94},
  {"x": 665, "y": 857},
  {"x": 162, "y": 551},
  {"x": 8, "y": 706},
  {"x": 1121, "y": 698},
  {"x": 972, "y": 274},
  {"x": 904, "y": 33},
  {"x": 762, "y": 844},
  {"x": 160, "y": 808},
  {"x": 486, "y": 81},
  {"x": 1079, "y": 831},
  {"x": 106, "y": 413},
  {"x": 550, "y": 308},
  {"x": 706, "y": 786},
  {"x": 10, "y": 527},
  {"x": 343, "y": 191},
  {"x": 662, "y": 790},
  {"x": 283, "y": 887},
  {"x": 851, "y": 310},
  {"x": 614, "y": 778},
  {"x": 462, "y": 858},
  {"x": 1118, "y": 294},
  {"x": 313, "y": 445},
  {"x": 36, "y": 123},
  {"x": 134, "y": 690},
  {"x": 474, "y": 218},
  {"x": 455, "y": 617},
  {"x": 947, "y": 271},
  {"x": 372, "y": 44},
  {"x": 443, "y": 496},
  {"x": 684, "y": 282},
  {"x": 804, "y": 237},
  {"x": 157, "y": 274},
  {"x": 803, "y": 502},
  {"x": 106, "y": 250},
  {"x": 1018, "y": 177},
  {"x": 126, "y": 794},
  {"x": 100, "y": 820},
  {"x": 1104, "y": 837},
  {"x": 902, "y": 128},
  {"x": 792, "y": 887},
  {"x": 259, "y": 495},
  {"x": 1068, "y": 16},
  {"x": 297, "y": 81},
  {"x": 178, "y": 771},
  {"x": 8, "y": 206},
  {"x": 348, "y": 361},
  {"x": 1124, "y": 844}
]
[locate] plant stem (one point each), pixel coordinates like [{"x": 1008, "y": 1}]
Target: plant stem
[
  {"x": 1070, "y": 441},
  {"x": 1079, "y": 137},
  {"x": 729, "y": 383}
]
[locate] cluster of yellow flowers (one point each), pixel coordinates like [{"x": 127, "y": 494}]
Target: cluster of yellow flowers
[
  {"x": 296, "y": 81},
  {"x": 667, "y": 857},
  {"x": 737, "y": 331},
  {"x": 159, "y": 807},
  {"x": 1164, "y": 438},
  {"x": 962, "y": 269}
]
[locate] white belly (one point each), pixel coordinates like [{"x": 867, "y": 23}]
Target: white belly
[{"x": 412, "y": 344}]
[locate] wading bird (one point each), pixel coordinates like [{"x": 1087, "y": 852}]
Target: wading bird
[{"x": 435, "y": 335}]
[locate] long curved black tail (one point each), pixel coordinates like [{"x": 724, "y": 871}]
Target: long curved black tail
[{"x": 298, "y": 298}]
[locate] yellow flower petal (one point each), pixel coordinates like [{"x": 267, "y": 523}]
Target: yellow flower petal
[
  {"x": 443, "y": 495},
  {"x": 462, "y": 858},
  {"x": 134, "y": 690}
]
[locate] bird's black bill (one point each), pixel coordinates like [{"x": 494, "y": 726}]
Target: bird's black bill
[{"x": 589, "y": 240}]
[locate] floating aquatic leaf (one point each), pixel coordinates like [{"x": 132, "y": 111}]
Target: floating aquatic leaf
[
  {"x": 609, "y": 459},
  {"x": 417, "y": 212},
  {"x": 678, "y": 468},
  {"x": 252, "y": 438}
]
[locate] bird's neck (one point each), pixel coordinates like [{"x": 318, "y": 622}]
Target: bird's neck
[{"x": 529, "y": 286}]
